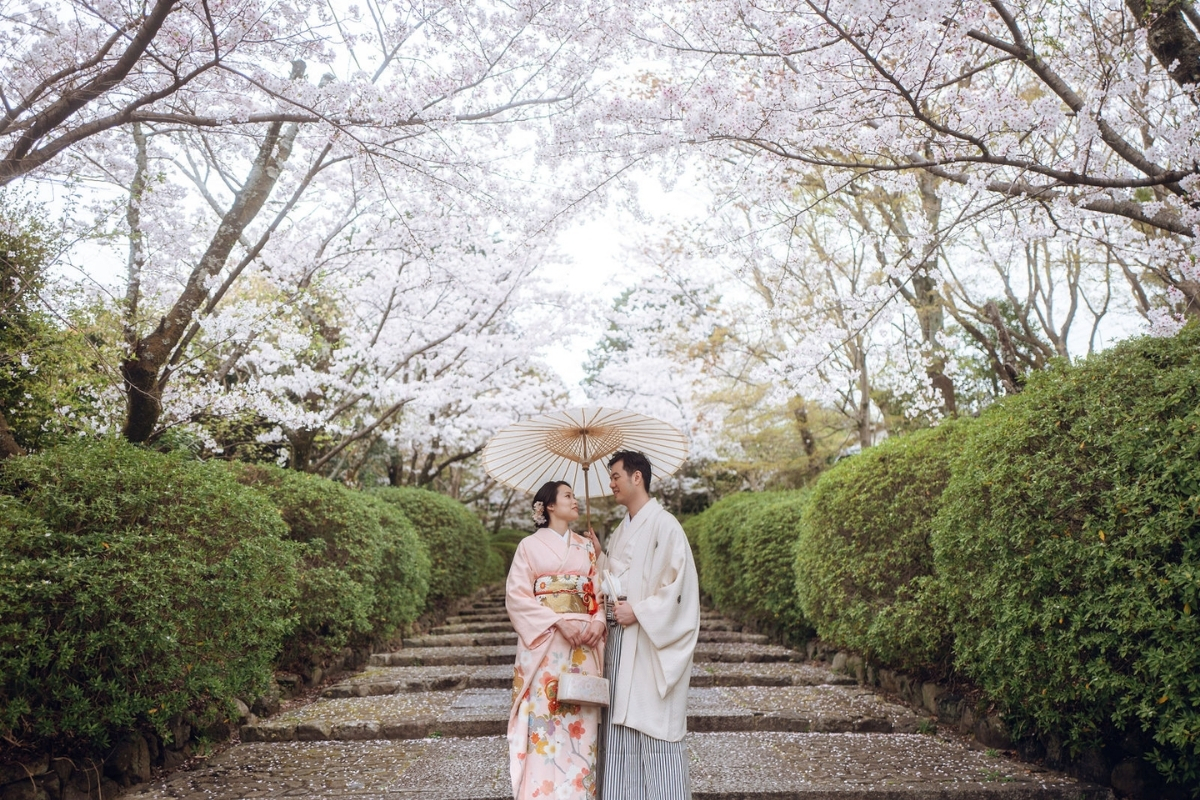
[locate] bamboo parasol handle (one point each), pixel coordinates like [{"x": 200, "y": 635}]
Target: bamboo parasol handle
[
  {"x": 587, "y": 496},
  {"x": 587, "y": 489}
]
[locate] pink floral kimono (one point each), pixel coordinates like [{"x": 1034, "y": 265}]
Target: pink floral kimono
[{"x": 551, "y": 745}]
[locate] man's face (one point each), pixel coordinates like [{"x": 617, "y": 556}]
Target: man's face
[{"x": 621, "y": 483}]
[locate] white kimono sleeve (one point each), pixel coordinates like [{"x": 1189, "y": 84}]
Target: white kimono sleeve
[{"x": 670, "y": 616}]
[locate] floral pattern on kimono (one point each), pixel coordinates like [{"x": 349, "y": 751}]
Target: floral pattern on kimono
[{"x": 552, "y": 745}]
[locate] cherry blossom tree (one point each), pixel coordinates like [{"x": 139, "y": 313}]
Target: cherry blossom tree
[
  {"x": 909, "y": 188},
  {"x": 1075, "y": 113},
  {"x": 209, "y": 116}
]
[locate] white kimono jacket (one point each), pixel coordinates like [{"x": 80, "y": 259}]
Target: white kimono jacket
[{"x": 651, "y": 557}]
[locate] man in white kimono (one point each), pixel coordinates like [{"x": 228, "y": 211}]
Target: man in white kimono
[{"x": 651, "y": 638}]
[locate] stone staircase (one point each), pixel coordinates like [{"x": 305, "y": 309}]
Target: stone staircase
[{"x": 428, "y": 721}]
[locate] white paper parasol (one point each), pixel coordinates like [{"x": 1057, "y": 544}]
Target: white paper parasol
[{"x": 564, "y": 445}]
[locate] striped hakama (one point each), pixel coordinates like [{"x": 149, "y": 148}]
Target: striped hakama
[{"x": 637, "y": 766}]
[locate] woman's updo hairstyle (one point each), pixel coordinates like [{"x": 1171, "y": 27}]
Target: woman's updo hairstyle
[{"x": 546, "y": 496}]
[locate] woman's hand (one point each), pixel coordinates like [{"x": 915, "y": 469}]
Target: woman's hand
[
  {"x": 595, "y": 540},
  {"x": 572, "y": 631},
  {"x": 593, "y": 632}
]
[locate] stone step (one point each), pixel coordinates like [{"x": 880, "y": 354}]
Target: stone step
[
  {"x": 499, "y": 626},
  {"x": 724, "y": 766},
  {"x": 719, "y": 628},
  {"x": 719, "y": 625},
  {"x": 730, "y": 652},
  {"x": 778, "y": 673},
  {"x": 490, "y": 609},
  {"x": 481, "y": 639},
  {"x": 484, "y": 712},
  {"x": 462, "y": 640},
  {"x": 445, "y": 657},
  {"x": 476, "y": 619},
  {"x": 505, "y": 654},
  {"x": 709, "y": 635},
  {"x": 375, "y": 681}
]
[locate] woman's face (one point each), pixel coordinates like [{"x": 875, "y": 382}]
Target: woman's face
[{"x": 565, "y": 507}]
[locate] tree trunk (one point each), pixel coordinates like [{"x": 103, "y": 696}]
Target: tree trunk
[
  {"x": 1009, "y": 375},
  {"x": 928, "y": 301},
  {"x": 9, "y": 446},
  {"x": 1171, "y": 40},
  {"x": 807, "y": 439},
  {"x": 301, "y": 442},
  {"x": 866, "y": 435},
  {"x": 143, "y": 369}
]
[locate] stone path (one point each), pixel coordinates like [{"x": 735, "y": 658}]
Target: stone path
[{"x": 428, "y": 721}]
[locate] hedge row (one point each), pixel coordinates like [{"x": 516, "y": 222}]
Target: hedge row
[
  {"x": 1068, "y": 543},
  {"x": 1048, "y": 550},
  {"x": 864, "y": 558},
  {"x": 457, "y": 542},
  {"x": 745, "y": 552},
  {"x": 364, "y": 573},
  {"x": 136, "y": 587}
]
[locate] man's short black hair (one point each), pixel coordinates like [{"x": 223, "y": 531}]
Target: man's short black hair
[{"x": 632, "y": 461}]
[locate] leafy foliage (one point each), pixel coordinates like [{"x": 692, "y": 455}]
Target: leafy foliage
[
  {"x": 1069, "y": 541},
  {"x": 715, "y": 534},
  {"x": 864, "y": 561},
  {"x": 766, "y": 581},
  {"x": 133, "y": 587},
  {"x": 344, "y": 548},
  {"x": 402, "y": 582},
  {"x": 457, "y": 542},
  {"x": 46, "y": 375},
  {"x": 504, "y": 542},
  {"x": 746, "y": 543}
]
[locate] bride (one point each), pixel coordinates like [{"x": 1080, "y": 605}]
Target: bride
[{"x": 551, "y": 600}]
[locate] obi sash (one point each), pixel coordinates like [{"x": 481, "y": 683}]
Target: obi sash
[{"x": 566, "y": 594}]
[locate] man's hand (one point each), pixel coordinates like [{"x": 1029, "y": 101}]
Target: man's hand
[{"x": 623, "y": 613}]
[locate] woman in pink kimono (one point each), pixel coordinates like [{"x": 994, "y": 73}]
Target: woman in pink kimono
[{"x": 551, "y": 600}]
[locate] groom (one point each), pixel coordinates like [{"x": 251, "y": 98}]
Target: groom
[{"x": 648, "y": 658}]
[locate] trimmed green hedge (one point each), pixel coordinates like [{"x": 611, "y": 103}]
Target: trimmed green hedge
[
  {"x": 504, "y": 542},
  {"x": 716, "y": 535},
  {"x": 766, "y": 583},
  {"x": 457, "y": 542},
  {"x": 864, "y": 561},
  {"x": 402, "y": 581},
  {"x": 343, "y": 552},
  {"x": 746, "y": 545},
  {"x": 133, "y": 587},
  {"x": 1069, "y": 541}
]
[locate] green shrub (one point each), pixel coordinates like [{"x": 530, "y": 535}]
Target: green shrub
[
  {"x": 133, "y": 587},
  {"x": 1069, "y": 542},
  {"x": 494, "y": 570},
  {"x": 766, "y": 582},
  {"x": 457, "y": 542},
  {"x": 716, "y": 533},
  {"x": 402, "y": 582},
  {"x": 504, "y": 542},
  {"x": 864, "y": 562},
  {"x": 343, "y": 552},
  {"x": 746, "y": 553}
]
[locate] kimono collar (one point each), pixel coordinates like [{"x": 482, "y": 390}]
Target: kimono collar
[
  {"x": 621, "y": 552},
  {"x": 637, "y": 522},
  {"x": 554, "y": 540}
]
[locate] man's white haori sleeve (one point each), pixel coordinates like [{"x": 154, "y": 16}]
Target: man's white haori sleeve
[{"x": 669, "y": 612}]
